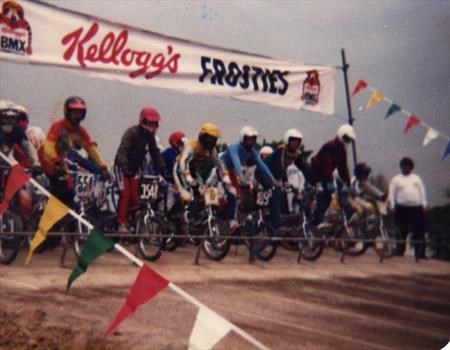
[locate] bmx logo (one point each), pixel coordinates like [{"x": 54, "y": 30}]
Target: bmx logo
[
  {"x": 311, "y": 88},
  {"x": 15, "y": 31}
]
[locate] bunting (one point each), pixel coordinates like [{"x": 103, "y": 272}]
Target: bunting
[
  {"x": 411, "y": 122},
  {"x": 95, "y": 245},
  {"x": 208, "y": 329},
  {"x": 394, "y": 108},
  {"x": 54, "y": 211},
  {"x": 376, "y": 97},
  {"x": 147, "y": 284},
  {"x": 359, "y": 86},
  {"x": 430, "y": 136},
  {"x": 16, "y": 179}
]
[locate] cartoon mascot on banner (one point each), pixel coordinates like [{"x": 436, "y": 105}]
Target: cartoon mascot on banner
[{"x": 13, "y": 22}]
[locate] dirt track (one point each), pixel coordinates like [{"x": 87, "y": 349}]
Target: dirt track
[{"x": 360, "y": 304}]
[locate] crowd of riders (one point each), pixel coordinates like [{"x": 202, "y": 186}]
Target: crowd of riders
[{"x": 186, "y": 162}]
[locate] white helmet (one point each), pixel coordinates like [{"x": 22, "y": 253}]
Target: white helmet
[
  {"x": 265, "y": 151},
  {"x": 247, "y": 131},
  {"x": 345, "y": 130},
  {"x": 292, "y": 133},
  {"x": 4, "y": 104},
  {"x": 36, "y": 136}
]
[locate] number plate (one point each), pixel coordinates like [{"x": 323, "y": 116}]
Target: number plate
[
  {"x": 148, "y": 191},
  {"x": 85, "y": 184},
  {"x": 263, "y": 197}
]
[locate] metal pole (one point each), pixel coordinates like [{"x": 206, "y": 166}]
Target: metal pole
[{"x": 349, "y": 105}]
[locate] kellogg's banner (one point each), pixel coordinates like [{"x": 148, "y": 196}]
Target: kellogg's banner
[{"x": 39, "y": 33}]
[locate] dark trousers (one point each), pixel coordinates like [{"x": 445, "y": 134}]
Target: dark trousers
[
  {"x": 322, "y": 204},
  {"x": 410, "y": 219}
]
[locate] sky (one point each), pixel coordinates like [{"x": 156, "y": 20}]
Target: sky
[{"x": 401, "y": 48}]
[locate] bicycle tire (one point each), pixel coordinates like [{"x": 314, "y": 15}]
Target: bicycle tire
[
  {"x": 352, "y": 248},
  {"x": 265, "y": 249},
  {"x": 152, "y": 246},
  {"x": 9, "y": 244},
  {"x": 78, "y": 241},
  {"x": 216, "y": 249},
  {"x": 387, "y": 249},
  {"x": 311, "y": 249}
]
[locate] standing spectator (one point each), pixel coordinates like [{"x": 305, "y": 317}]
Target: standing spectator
[{"x": 408, "y": 199}]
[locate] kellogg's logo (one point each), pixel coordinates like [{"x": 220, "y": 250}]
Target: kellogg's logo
[
  {"x": 311, "y": 88},
  {"x": 15, "y": 31},
  {"x": 114, "y": 49}
]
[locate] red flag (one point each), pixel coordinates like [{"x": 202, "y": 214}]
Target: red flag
[
  {"x": 147, "y": 284},
  {"x": 17, "y": 178},
  {"x": 411, "y": 122},
  {"x": 361, "y": 85}
]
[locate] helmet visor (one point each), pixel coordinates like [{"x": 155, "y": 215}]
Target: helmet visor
[
  {"x": 8, "y": 117},
  {"x": 208, "y": 141}
]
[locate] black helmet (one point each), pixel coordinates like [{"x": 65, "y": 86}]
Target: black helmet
[
  {"x": 75, "y": 104},
  {"x": 362, "y": 169}
]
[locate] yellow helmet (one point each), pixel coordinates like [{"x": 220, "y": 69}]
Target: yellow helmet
[{"x": 210, "y": 129}]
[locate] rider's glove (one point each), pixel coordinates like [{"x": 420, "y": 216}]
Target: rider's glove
[
  {"x": 105, "y": 175},
  {"x": 190, "y": 181},
  {"x": 36, "y": 170},
  {"x": 349, "y": 189},
  {"x": 331, "y": 187}
]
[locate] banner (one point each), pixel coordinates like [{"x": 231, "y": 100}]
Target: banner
[{"x": 47, "y": 35}]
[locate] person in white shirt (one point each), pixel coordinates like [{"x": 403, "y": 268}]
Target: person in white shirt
[{"x": 408, "y": 199}]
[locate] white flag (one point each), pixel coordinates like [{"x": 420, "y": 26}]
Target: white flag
[
  {"x": 208, "y": 329},
  {"x": 430, "y": 136}
]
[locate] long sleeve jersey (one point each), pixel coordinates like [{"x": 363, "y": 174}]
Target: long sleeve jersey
[
  {"x": 196, "y": 159},
  {"x": 17, "y": 137},
  {"x": 331, "y": 156},
  {"x": 407, "y": 191},
  {"x": 236, "y": 155},
  {"x": 76, "y": 135},
  {"x": 133, "y": 147}
]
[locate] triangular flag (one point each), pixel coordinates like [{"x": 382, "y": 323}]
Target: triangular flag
[
  {"x": 376, "y": 97},
  {"x": 411, "y": 122},
  {"x": 95, "y": 245},
  {"x": 54, "y": 211},
  {"x": 430, "y": 136},
  {"x": 359, "y": 86},
  {"x": 147, "y": 284},
  {"x": 447, "y": 151},
  {"x": 208, "y": 329},
  {"x": 16, "y": 179},
  {"x": 392, "y": 109}
]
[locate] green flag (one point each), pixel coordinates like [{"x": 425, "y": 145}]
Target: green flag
[
  {"x": 393, "y": 109},
  {"x": 95, "y": 245}
]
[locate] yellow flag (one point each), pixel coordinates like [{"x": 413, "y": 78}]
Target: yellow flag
[
  {"x": 54, "y": 211},
  {"x": 375, "y": 98}
]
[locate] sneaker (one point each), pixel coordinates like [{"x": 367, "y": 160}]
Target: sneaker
[{"x": 123, "y": 229}]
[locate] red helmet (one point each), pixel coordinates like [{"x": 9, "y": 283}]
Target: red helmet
[
  {"x": 149, "y": 115},
  {"x": 75, "y": 110},
  {"x": 176, "y": 138}
]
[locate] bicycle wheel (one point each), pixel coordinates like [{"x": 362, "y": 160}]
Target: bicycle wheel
[
  {"x": 152, "y": 245},
  {"x": 172, "y": 242},
  {"x": 265, "y": 249},
  {"x": 382, "y": 244},
  {"x": 79, "y": 240},
  {"x": 9, "y": 244},
  {"x": 311, "y": 247},
  {"x": 216, "y": 248},
  {"x": 353, "y": 247}
]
